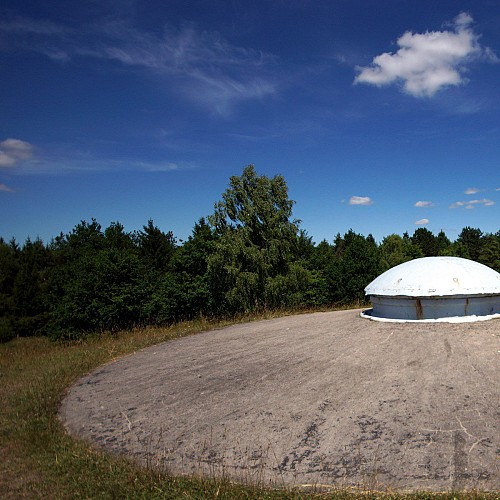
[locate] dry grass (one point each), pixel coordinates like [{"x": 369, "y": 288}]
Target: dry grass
[{"x": 38, "y": 459}]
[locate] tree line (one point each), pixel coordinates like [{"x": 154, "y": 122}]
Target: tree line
[{"x": 249, "y": 255}]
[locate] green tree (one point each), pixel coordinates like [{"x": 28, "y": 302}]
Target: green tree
[
  {"x": 456, "y": 249},
  {"x": 471, "y": 238},
  {"x": 83, "y": 238},
  {"x": 192, "y": 257},
  {"x": 490, "y": 251},
  {"x": 442, "y": 243},
  {"x": 356, "y": 264},
  {"x": 322, "y": 255},
  {"x": 318, "y": 263},
  {"x": 105, "y": 292},
  {"x": 98, "y": 281},
  {"x": 185, "y": 292},
  {"x": 395, "y": 250},
  {"x": 30, "y": 287},
  {"x": 156, "y": 247},
  {"x": 256, "y": 259},
  {"x": 116, "y": 237},
  {"x": 9, "y": 266},
  {"x": 424, "y": 239}
]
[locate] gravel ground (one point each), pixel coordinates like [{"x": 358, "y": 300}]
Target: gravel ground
[{"x": 324, "y": 398}]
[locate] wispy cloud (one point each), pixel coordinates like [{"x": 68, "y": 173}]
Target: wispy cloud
[
  {"x": 200, "y": 64},
  {"x": 422, "y": 222},
  {"x": 6, "y": 189},
  {"x": 21, "y": 26},
  {"x": 18, "y": 158},
  {"x": 428, "y": 62},
  {"x": 360, "y": 200},
  {"x": 469, "y": 204},
  {"x": 424, "y": 204},
  {"x": 471, "y": 190},
  {"x": 155, "y": 166},
  {"x": 14, "y": 151},
  {"x": 65, "y": 165}
]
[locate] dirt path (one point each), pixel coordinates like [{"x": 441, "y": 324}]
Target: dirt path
[{"x": 327, "y": 398}]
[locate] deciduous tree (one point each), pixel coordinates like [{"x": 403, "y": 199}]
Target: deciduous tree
[{"x": 258, "y": 243}]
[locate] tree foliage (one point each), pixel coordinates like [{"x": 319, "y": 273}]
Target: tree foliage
[
  {"x": 426, "y": 241},
  {"x": 489, "y": 253},
  {"x": 356, "y": 263},
  {"x": 249, "y": 255},
  {"x": 155, "y": 246},
  {"x": 395, "y": 250},
  {"x": 255, "y": 262},
  {"x": 471, "y": 239}
]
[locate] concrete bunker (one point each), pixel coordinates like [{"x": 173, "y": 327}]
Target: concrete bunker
[{"x": 435, "y": 289}]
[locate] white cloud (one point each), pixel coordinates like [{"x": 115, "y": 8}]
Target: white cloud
[
  {"x": 156, "y": 167},
  {"x": 13, "y": 151},
  {"x": 471, "y": 190},
  {"x": 360, "y": 200},
  {"x": 72, "y": 162},
  {"x": 200, "y": 64},
  {"x": 472, "y": 203},
  {"x": 424, "y": 204},
  {"x": 427, "y": 62},
  {"x": 208, "y": 69},
  {"x": 422, "y": 222},
  {"x": 5, "y": 188}
]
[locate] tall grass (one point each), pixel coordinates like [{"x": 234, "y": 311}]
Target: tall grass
[{"x": 37, "y": 457}]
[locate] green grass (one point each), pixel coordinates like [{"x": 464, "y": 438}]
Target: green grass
[{"x": 38, "y": 459}]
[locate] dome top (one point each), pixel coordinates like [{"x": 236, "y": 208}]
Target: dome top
[{"x": 436, "y": 276}]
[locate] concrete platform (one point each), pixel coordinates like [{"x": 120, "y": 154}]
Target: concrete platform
[{"x": 325, "y": 398}]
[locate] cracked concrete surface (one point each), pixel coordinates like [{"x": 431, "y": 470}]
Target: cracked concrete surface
[{"x": 325, "y": 398}]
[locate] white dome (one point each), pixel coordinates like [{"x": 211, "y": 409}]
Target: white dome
[{"x": 436, "y": 277}]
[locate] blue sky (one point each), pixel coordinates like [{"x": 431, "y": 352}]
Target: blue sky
[{"x": 383, "y": 116}]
